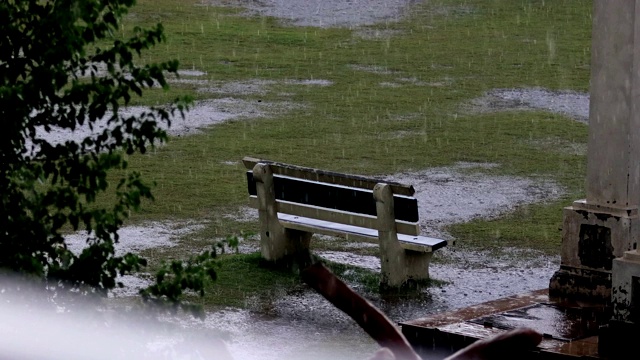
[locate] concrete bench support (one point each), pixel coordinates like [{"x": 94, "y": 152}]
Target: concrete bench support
[
  {"x": 277, "y": 243},
  {"x": 398, "y": 265}
]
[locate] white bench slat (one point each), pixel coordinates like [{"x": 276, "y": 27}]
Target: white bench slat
[
  {"x": 408, "y": 242},
  {"x": 337, "y": 216}
]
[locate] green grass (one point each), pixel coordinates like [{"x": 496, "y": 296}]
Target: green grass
[
  {"x": 463, "y": 47},
  {"x": 244, "y": 280}
]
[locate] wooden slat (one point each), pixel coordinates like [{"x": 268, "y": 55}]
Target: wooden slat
[
  {"x": 340, "y": 233},
  {"x": 340, "y": 217},
  {"x": 420, "y": 243},
  {"x": 327, "y": 176},
  {"x": 412, "y": 243},
  {"x": 335, "y": 197}
]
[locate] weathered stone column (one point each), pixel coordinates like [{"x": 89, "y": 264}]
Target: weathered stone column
[{"x": 605, "y": 225}]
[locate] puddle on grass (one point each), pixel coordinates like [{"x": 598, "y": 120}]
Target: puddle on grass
[
  {"x": 325, "y": 13},
  {"x": 243, "y": 214},
  {"x": 449, "y": 195},
  {"x": 313, "y": 82},
  {"x": 132, "y": 285},
  {"x": 399, "y": 82},
  {"x": 256, "y": 86},
  {"x": 569, "y": 103},
  {"x": 192, "y": 72},
  {"x": 389, "y": 84},
  {"x": 340, "y": 13},
  {"x": 559, "y": 145},
  {"x": 470, "y": 277},
  {"x": 343, "y": 257},
  {"x": 374, "y": 69},
  {"x": 248, "y": 87},
  {"x": 136, "y": 238},
  {"x": 230, "y": 162},
  {"x": 201, "y": 115}
]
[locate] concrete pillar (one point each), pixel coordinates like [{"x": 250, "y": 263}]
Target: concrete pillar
[
  {"x": 613, "y": 170},
  {"x": 605, "y": 225}
]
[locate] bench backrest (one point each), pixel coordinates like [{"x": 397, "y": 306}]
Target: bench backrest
[{"x": 329, "y": 196}]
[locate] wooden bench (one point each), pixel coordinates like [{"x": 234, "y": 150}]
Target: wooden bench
[{"x": 295, "y": 202}]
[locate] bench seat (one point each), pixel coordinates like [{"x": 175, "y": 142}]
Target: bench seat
[{"x": 408, "y": 242}]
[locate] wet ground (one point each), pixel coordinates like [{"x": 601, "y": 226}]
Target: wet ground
[
  {"x": 301, "y": 324},
  {"x": 298, "y": 321},
  {"x": 569, "y": 103}
]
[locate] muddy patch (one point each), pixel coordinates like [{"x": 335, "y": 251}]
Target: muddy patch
[{"x": 569, "y": 103}]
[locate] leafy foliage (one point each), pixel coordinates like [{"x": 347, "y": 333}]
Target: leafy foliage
[
  {"x": 176, "y": 277},
  {"x": 61, "y": 69}
]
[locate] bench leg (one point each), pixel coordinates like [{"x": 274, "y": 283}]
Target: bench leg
[
  {"x": 300, "y": 240},
  {"x": 417, "y": 265},
  {"x": 274, "y": 244},
  {"x": 398, "y": 266}
]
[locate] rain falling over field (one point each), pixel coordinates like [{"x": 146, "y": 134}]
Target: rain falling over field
[{"x": 483, "y": 113}]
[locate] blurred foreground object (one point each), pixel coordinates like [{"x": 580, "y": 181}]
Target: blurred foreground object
[{"x": 395, "y": 347}]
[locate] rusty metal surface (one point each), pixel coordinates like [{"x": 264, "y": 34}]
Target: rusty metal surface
[
  {"x": 567, "y": 324},
  {"x": 587, "y": 348},
  {"x": 487, "y": 308},
  {"x": 474, "y": 331},
  {"x": 570, "y": 330}
]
